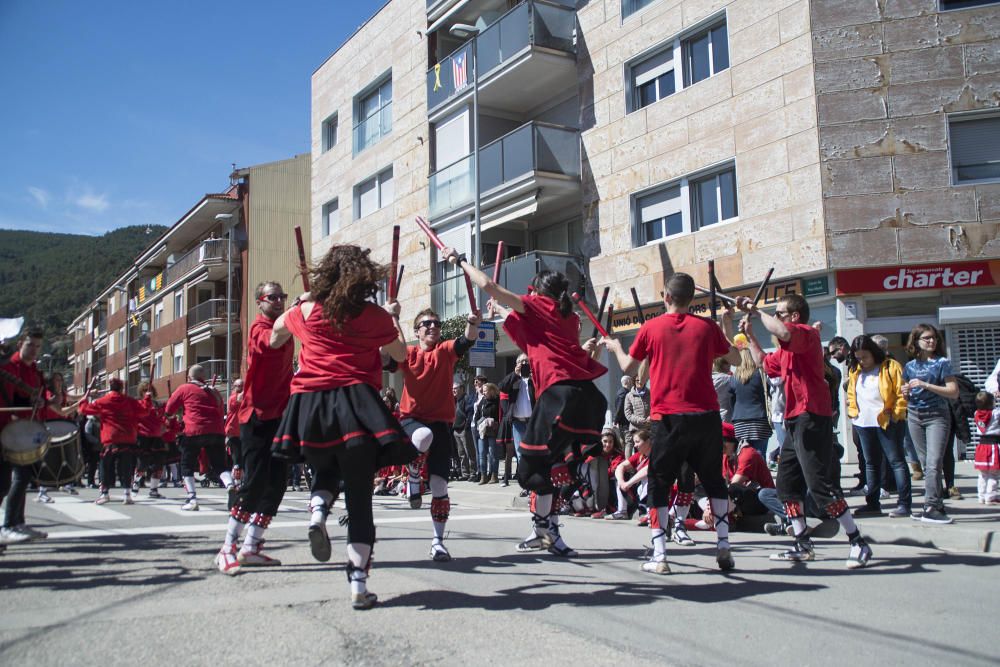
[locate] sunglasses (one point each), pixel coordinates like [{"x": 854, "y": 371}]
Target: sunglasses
[
  {"x": 273, "y": 297},
  {"x": 427, "y": 324}
]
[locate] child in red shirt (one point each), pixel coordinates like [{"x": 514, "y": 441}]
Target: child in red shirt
[{"x": 565, "y": 424}]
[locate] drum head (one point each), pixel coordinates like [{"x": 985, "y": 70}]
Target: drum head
[
  {"x": 24, "y": 441},
  {"x": 61, "y": 430}
]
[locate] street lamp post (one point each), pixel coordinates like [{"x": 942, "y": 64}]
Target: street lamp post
[{"x": 226, "y": 220}]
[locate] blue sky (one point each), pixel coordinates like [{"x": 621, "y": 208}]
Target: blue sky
[{"x": 127, "y": 112}]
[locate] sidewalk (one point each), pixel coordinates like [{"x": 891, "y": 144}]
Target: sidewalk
[{"x": 975, "y": 529}]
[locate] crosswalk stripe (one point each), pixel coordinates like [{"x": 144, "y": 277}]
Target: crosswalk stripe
[
  {"x": 221, "y": 526},
  {"x": 82, "y": 511}
]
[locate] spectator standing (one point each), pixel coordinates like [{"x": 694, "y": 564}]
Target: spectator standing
[
  {"x": 721, "y": 376},
  {"x": 620, "y": 421},
  {"x": 637, "y": 408},
  {"x": 520, "y": 391},
  {"x": 751, "y": 420},
  {"x": 487, "y": 424},
  {"x": 463, "y": 435}
]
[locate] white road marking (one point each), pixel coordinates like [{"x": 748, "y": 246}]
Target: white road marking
[
  {"x": 221, "y": 526},
  {"x": 83, "y": 511}
]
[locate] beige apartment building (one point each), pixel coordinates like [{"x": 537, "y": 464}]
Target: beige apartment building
[
  {"x": 852, "y": 145},
  {"x": 188, "y": 297}
]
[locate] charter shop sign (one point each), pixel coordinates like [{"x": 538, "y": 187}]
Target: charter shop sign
[{"x": 920, "y": 277}]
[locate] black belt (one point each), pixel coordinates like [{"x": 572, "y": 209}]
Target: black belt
[{"x": 523, "y": 420}]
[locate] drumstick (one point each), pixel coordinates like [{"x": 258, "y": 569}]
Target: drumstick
[
  {"x": 718, "y": 295},
  {"x": 496, "y": 265},
  {"x": 600, "y": 308},
  {"x": 472, "y": 294},
  {"x": 214, "y": 378},
  {"x": 302, "y": 258},
  {"x": 638, "y": 306},
  {"x": 763, "y": 286},
  {"x": 430, "y": 233},
  {"x": 711, "y": 290},
  {"x": 25, "y": 409},
  {"x": 586, "y": 311},
  {"x": 393, "y": 286},
  {"x": 611, "y": 318},
  {"x": 399, "y": 278}
]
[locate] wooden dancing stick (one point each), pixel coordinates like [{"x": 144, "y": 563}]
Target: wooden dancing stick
[
  {"x": 393, "y": 284},
  {"x": 303, "y": 269},
  {"x": 586, "y": 311},
  {"x": 399, "y": 278},
  {"x": 440, "y": 246},
  {"x": 496, "y": 265},
  {"x": 763, "y": 286},
  {"x": 472, "y": 294},
  {"x": 214, "y": 378},
  {"x": 600, "y": 309},
  {"x": 638, "y": 308},
  {"x": 611, "y": 319},
  {"x": 718, "y": 295}
]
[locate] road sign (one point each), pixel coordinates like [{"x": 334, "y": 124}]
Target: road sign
[{"x": 484, "y": 352}]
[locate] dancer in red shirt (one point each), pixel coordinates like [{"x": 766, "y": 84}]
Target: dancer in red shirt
[
  {"x": 119, "y": 415},
  {"x": 684, "y": 409},
  {"x": 232, "y": 427},
  {"x": 428, "y": 410},
  {"x": 258, "y": 413},
  {"x": 807, "y": 453},
  {"x": 335, "y": 414},
  {"x": 565, "y": 425},
  {"x": 152, "y": 448},
  {"x": 203, "y": 428}
]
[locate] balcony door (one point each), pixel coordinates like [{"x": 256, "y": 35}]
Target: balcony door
[{"x": 451, "y": 139}]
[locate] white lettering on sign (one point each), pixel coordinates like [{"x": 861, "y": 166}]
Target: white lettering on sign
[{"x": 931, "y": 278}]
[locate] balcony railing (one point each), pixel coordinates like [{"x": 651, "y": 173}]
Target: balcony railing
[
  {"x": 452, "y": 187},
  {"x": 449, "y": 296},
  {"x": 214, "y": 309},
  {"x": 211, "y": 251},
  {"x": 138, "y": 345},
  {"x": 99, "y": 365},
  {"x": 217, "y": 368},
  {"x": 531, "y": 23},
  {"x": 531, "y": 147}
]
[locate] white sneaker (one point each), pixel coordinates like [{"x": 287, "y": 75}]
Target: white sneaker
[
  {"x": 883, "y": 494},
  {"x": 70, "y": 489},
  {"x": 43, "y": 498},
  {"x": 191, "y": 505},
  {"x": 256, "y": 557},
  {"x": 681, "y": 537},
  {"x": 13, "y": 536},
  {"x": 656, "y": 567},
  {"x": 227, "y": 562},
  {"x": 35, "y": 534},
  {"x": 127, "y": 499},
  {"x": 439, "y": 553}
]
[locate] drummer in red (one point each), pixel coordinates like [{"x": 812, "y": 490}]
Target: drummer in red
[
  {"x": 257, "y": 414},
  {"x": 232, "y": 427},
  {"x": 152, "y": 452},
  {"x": 20, "y": 386},
  {"x": 119, "y": 415},
  {"x": 57, "y": 408},
  {"x": 203, "y": 428}
]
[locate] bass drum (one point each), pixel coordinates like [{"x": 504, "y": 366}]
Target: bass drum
[
  {"x": 24, "y": 442},
  {"x": 63, "y": 462}
]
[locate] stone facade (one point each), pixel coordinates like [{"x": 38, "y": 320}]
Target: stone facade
[
  {"x": 887, "y": 73},
  {"x": 760, "y": 112},
  {"x": 389, "y": 41}
]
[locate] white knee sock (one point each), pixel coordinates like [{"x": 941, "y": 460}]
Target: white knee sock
[
  {"x": 543, "y": 508},
  {"x": 154, "y": 483},
  {"x": 320, "y": 505},
  {"x": 189, "y": 486},
  {"x": 622, "y": 502},
  {"x": 233, "y": 530},
  {"x": 357, "y": 555},
  {"x": 255, "y": 535},
  {"x": 720, "y": 509},
  {"x": 422, "y": 438},
  {"x": 659, "y": 534},
  {"x": 227, "y": 479},
  {"x": 847, "y": 523}
]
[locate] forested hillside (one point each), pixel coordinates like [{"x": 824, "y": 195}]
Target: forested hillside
[{"x": 50, "y": 278}]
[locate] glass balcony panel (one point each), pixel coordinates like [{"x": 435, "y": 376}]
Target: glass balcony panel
[
  {"x": 529, "y": 148},
  {"x": 448, "y": 297},
  {"x": 554, "y": 27},
  {"x": 452, "y": 186},
  {"x": 214, "y": 309},
  {"x": 557, "y": 150}
]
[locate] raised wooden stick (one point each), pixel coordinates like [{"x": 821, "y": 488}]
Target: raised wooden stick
[
  {"x": 638, "y": 306},
  {"x": 440, "y": 246},
  {"x": 586, "y": 311},
  {"x": 496, "y": 264},
  {"x": 303, "y": 269},
  {"x": 399, "y": 279},
  {"x": 611, "y": 319},
  {"x": 393, "y": 284},
  {"x": 763, "y": 286},
  {"x": 711, "y": 290},
  {"x": 718, "y": 295},
  {"x": 600, "y": 308}
]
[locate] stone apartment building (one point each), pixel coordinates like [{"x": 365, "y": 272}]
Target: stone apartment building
[{"x": 852, "y": 145}]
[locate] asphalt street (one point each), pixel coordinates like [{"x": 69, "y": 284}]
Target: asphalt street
[{"x": 137, "y": 585}]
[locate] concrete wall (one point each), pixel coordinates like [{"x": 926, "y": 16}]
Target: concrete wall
[
  {"x": 887, "y": 74},
  {"x": 388, "y": 41},
  {"x": 761, "y": 111}
]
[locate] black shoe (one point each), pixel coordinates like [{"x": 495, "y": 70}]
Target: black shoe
[
  {"x": 524, "y": 493},
  {"x": 505, "y": 482},
  {"x": 776, "y": 528},
  {"x": 934, "y": 515},
  {"x": 869, "y": 510}
]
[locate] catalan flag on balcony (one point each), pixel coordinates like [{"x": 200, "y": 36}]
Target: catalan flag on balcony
[
  {"x": 159, "y": 281},
  {"x": 459, "y": 70},
  {"x": 142, "y": 293}
]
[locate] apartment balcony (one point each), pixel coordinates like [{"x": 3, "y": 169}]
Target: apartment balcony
[
  {"x": 216, "y": 368},
  {"x": 138, "y": 346},
  {"x": 99, "y": 365},
  {"x": 209, "y": 318},
  {"x": 526, "y": 55},
  {"x": 210, "y": 256},
  {"x": 450, "y": 298},
  {"x": 537, "y": 164}
]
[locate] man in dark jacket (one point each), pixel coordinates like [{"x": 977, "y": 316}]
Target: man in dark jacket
[
  {"x": 520, "y": 392},
  {"x": 463, "y": 436}
]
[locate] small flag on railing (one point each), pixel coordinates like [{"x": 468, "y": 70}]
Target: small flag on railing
[
  {"x": 459, "y": 70},
  {"x": 437, "y": 77}
]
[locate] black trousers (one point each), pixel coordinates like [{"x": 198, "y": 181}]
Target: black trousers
[
  {"x": 807, "y": 461},
  {"x": 263, "y": 484},
  {"x": 355, "y": 466},
  {"x": 215, "y": 447},
  {"x": 14, "y": 480},
  {"x": 117, "y": 460},
  {"x": 695, "y": 439},
  {"x": 442, "y": 445}
]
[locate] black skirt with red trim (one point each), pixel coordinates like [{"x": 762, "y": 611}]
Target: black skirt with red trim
[
  {"x": 566, "y": 421},
  {"x": 351, "y": 416}
]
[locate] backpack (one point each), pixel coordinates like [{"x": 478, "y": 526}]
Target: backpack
[{"x": 966, "y": 401}]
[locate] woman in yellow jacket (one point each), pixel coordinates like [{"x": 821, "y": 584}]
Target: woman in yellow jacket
[{"x": 877, "y": 408}]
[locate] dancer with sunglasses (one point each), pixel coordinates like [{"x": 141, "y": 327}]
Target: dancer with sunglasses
[
  {"x": 334, "y": 413},
  {"x": 266, "y": 388},
  {"x": 428, "y": 411},
  {"x": 566, "y": 423}
]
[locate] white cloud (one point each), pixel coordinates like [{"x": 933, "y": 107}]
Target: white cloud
[
  {"x": 92, "y": 201},
  {"x": 40, "y": 195}
]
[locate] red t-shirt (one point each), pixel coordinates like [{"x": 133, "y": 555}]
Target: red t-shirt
[
  {"x": 232, "y": 411},
  {"x": 269, "y": 374},
  {"x": 617, "y": 458},
  {"x": 151, "y": 425},
  {"x": 331, "y": 358},
  {"x": 799, "y": 361},
  {"x": 750, "y": 464},
  {"x": 60, "y": 401},
  {"x": 638, "y": 461},
  {"x": 202, "y": 407},
  {"x": 427, "y": 379},
  {"x": 119, "y": 416},
  {"x": 681, "y": 349},
  {"x": 12, "y": 395},
  {"x": 552, "y": 343}
]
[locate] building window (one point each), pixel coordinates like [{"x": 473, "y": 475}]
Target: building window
[
  {"x": 965, "y": 4},
  {"x": 373, "y": 194},
  {"x": 330, "y": 133},
  {"x": 158, "y": 365},
  {"x": 685, "y": 206},
  {"x": 158, "y": 316},
  {"x": 975, "y": 147},
  {"x": 630, "y": 7},
  {"x": 178, "y": 358},
  {"x": 121, "y": 339},
  {"x": 373, "y": 112},
  {"x": 682, "y": 62},
  {"x": 178, "y": 303},
  {"x": 330, "y": 211}
]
